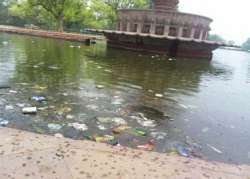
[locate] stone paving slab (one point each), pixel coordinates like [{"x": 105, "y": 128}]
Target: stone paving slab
[{"x": 26, "y": 155}]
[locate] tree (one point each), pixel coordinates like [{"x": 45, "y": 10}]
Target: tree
[
  {"x": 48, "y": 10},
  {"x": 246, "y": 45},
  {"x": 74, "y": 14},
  {"x": 3, "y": 11},
  {"x": 121, "y": 4},
  {"x": 216, "y": 38},
  {"x": 55, "y": 7},
  {"x": 115, "y": 5}
]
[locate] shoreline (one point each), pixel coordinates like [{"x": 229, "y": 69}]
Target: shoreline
[
  {"x": 48, "y": 34},
  {"x": 24, "y": 154}
]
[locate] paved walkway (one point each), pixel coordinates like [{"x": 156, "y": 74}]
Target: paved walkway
[{"x": 26, "y": 155}]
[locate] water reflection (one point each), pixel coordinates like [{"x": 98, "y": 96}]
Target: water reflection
[{"x": 68, "y": 75}]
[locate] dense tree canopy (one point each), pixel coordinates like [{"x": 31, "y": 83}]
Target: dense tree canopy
[
  {"x": 50, "y": 12},
  {"x": 246, "y": 45},
  {"x": 72, "y": 14}
]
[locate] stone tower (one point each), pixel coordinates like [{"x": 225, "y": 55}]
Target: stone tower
[{"x": 169, "y": 5}]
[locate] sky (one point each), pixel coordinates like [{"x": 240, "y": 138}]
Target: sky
[{"x": 231, "y": 18}]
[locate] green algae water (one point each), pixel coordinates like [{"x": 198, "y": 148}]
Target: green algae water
[{"x": 197, "y": 107}]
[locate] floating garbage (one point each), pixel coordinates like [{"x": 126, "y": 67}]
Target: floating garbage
[
  {"x": 104, "y": 120},
  {"x": 140, "y": 132},
  {"x": 158, "y": 135},
  {"x": 77, "y": 126},
  {"x": 3, "y": 122},
  {"x": 38, "y": 98},
  {"x": 194, "y": 145},
  {"x": 109, "y": 139},
  {"x": 39, "y": 130},
  {"x": 205, "y": 130},
  {"x": 147, "y": 147},
  {"x": 215, "y": 149},
  {"x": 9, "y": 108},
  {"x": 53, "y": 67},
  {"x": 54, "y": 127},
  {"x": 105, "y": 138},
  {"x": 70, "y": 117},
  {"x": 117, "y": 101},
  {"x": 159, "y": 95},
  {"x": 116, "y": 120},
  {"x": 113, "y": 142},
  {"x": 58, "y": 135},
  {"x": 87, "y": 136},
  {"x": 62, "y": 110},
  {"x": 188, "y": 106},
  {"x": 5, "y": 43},
  {"x": 99, "y": 86},
  {"x": 43, "y": 108},
  {"x": 144, "y": 121},
  {"x": 20, "y": 105},
  {"x": 13, "y": 92},
  {"x": 183, "y": 106},
  {"x": 120, "y": 129},
  {"x": 101, "y": 127},
  {"x": 92, "y": 107},
  {"x": 108, "y": 71},
  {"x": 29, "y": 110},
  {"x": 147, "y": 112},
  {"x": 72, "y": 46},
  {"x": 38, "y": 87},
  {"x": 182, "y": 151},
  {"x": 149, "y": 123},
  {"x": 119, "y": 121}
]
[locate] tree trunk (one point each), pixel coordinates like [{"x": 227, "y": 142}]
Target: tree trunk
[{"x": 60, "y": 22}]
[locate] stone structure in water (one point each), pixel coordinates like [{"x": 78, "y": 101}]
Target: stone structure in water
[{"x": 162, "y": 29}]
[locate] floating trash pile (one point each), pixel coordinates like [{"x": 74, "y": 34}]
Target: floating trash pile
[{"x": 136, "y": 126}]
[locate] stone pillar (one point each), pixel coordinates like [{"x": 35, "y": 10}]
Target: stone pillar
[
  {"x": 139, "y": 28},
  {"x": 128, "y": 26},
  {"x": 206, "y": 35},
  {"x": 121, "y": 24},
  {"x": 201, "y": 34},
  {"x": 166, "y": 30},
  {"x": 180, "y": 31},
  {"x": 152, "y": 28},
  {"x": 192, "y": 33}
]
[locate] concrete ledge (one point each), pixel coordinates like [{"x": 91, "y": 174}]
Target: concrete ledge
[
  {"x": 28, "y": 155},
  {"x": 48, "y": 34}
]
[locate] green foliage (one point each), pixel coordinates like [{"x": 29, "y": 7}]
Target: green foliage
[
  {"x": 72, "y": 14},
  {"x": 246, "y": 45},
  {"x": 121, "y": 4}
]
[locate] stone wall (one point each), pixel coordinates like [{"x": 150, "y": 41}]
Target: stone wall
[{"x": 165, "y": 23}]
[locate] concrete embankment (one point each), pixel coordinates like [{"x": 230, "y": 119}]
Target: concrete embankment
[
  {"x": 48, "y": 34},
  {"x": 27, "y": 155}
]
